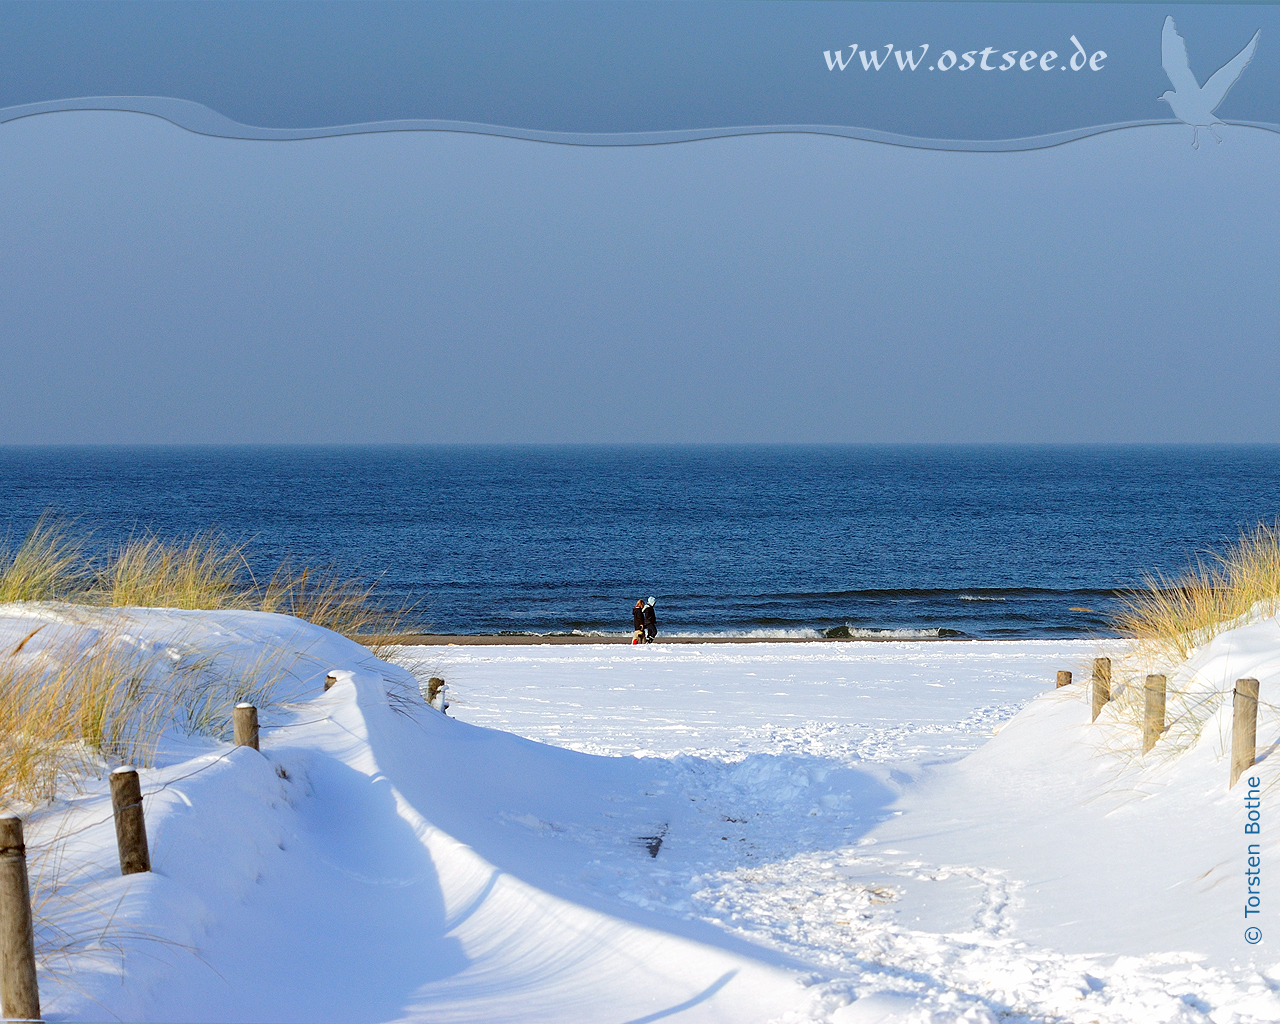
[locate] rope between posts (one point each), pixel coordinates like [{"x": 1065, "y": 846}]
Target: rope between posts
[{"x": 181, "y": 778}]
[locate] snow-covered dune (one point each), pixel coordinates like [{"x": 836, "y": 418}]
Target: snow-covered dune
[{"x": 829, "y": 833}]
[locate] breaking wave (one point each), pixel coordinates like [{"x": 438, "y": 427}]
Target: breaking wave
[
  {"x": 858, "y": 633},
  {"x": 798, "y": 633}
]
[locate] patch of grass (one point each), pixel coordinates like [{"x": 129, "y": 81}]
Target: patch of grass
[
  {"x": 346, "y": 605},
  {"x": 1219, "y": 591},
  {"x": 48, "y": 565},
  {"x": 1192, "y": 700},
  {"x": 1172, "y": 616},
  {"x": 87, "y": 700},
  {"x": 206, "y": 571},
  {"x": 70, "y": 707},
  {"x": 212, "y": 683},
  {"x": 146, "y": 572}
]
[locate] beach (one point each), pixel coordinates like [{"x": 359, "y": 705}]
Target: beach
[
  {"x": 557, "y": 639},
  {"x": 796, "y": 806},
  {"x": 768, "y": 832}
]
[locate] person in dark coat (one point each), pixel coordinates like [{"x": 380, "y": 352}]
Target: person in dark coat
[
  {"x": 637, "y": 621},
  {"x": 650, "y": 622}
]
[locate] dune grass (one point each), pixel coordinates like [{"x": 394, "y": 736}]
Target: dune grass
[
  {"x": 344, "y": 604},
  {"x": 1214, "y": 594},
  {"x": 77, "y": 700},
  {"x": 74, "y": 701},
  {"x": 86, "y": 699},
  {"x": 48, "y": 565},
  {"x": 1172, "y": 616},
  {"x": 146, "y": 572},
  {"x": 78, "y": 697},
  {"x": 206, "y": 571},
  {"x": 70, "y": 707}
]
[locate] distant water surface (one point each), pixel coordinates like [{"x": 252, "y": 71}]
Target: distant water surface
[{"x": 778, "y": 540}]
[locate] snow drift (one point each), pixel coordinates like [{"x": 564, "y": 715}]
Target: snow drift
[{"x": 380, "y": 861}]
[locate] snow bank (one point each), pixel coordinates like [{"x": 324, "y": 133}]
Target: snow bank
[
  {"x": 746, "y": 833},
  {"x": 311, "y": 883}
]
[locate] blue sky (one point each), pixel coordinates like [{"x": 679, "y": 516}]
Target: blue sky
[{"x": 162, "y": 286}]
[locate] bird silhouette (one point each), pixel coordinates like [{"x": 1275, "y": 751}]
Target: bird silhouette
[{"x": 1191, "y": 103}]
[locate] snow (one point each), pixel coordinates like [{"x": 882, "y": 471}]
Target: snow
[{"x": 729, "y": 832}]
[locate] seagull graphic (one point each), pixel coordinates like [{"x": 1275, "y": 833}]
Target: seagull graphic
[{"x": 1191, "y": 103}]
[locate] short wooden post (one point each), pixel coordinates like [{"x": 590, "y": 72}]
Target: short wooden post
[
  {"x": 1064, "y": 678},
  {"x": 131, "y": 827},
  {"x": 245, "y": 719},
  {"x": 435, "y": 692},
  {"x": 1244, "y": 728},
  {"x": 1101, "y": 684},
  {"x": 18, "y": 986},
  {"x": 1152, "y": 712},
  {"x": 329, "y": 680}
]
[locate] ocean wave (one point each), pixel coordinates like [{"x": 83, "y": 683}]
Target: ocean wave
[
  {"x": 557, "y": 632},
  {"x": 979, "y": 597},
  {"x": 859, "y": 633},
  {"x": 799, "y": 633}
]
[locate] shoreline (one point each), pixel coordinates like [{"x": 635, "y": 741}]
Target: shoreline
[{"x": 526, "y": 639}]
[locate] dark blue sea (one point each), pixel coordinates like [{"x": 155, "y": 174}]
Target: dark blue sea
[{"x": 779, "y": 540}]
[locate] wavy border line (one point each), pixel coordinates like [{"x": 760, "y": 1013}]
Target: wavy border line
[{"x": 197, "y": 118}]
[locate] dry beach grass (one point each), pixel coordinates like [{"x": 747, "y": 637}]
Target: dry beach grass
[
  {"x": 1211, "y": 596},
  {"x": 205, "y": 571},
  {"x": 1171, "y": 617},
  {"x": 83, "y": 696}
]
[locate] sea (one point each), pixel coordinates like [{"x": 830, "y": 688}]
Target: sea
[{"x": 752, "y": 541}]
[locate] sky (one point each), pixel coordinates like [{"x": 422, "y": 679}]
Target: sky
[{"x": 161, "y": 286}]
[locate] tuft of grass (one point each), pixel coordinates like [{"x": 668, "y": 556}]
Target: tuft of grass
[
  {"x": 215, "y": 682},
  {"x": 344, "y": 604},
  {"x": 48, "y": 565},
  {"x": 1172, "y": 616},
  {"x": 87, "y": 700},
  {"x": 70, "y": 707},
  {"x": 1192, "y": 700},
  {"x": 1214, "y": 594},
  {"x": 206, "y": 571}
]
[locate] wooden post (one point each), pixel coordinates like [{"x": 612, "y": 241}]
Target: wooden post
[
  {"x": 18, "y": 986},
  {"x": 435, "y": 692},
  {"x": 329, "y": 680},
  {"x": 131, "y": 827},
  {"x": 1153, "y": 712},
  {"x": 1244, "y": 728},
  {"x": 1064, "y": 678},
  {"x": 245, "y": 717},
  {"x": 1101, "y": 684}
]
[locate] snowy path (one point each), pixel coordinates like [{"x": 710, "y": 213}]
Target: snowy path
[
  {"x": 910, "y": 703},
  {"x": 834, "y": 825}
]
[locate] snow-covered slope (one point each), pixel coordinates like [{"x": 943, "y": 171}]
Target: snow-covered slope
[
  {"x": 789, "y": 851},
  {"x": 310, "y": 882}
]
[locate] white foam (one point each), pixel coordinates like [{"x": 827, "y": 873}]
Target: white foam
[
  {"x": 799, "y": 633},
  {"x": 892, "y": 634}
]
